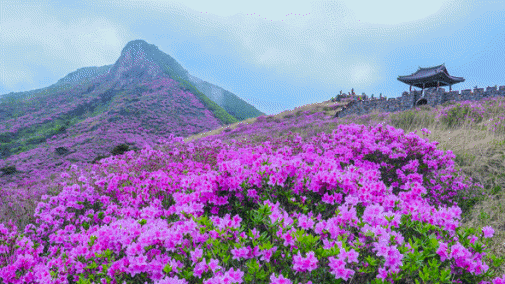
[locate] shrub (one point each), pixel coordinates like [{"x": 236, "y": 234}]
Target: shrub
[
  {"x": 448, "y": 103},
  {"x": 98, "y": 158},
  {"x": 4, "y": 151},
  {"x": 36, "y": 140},
  {"x": 9, "y": 170},
  {"x": 6, "y": 137},
  {"x": 120, "y": 149},
  {"x": 458, "y": 113}
]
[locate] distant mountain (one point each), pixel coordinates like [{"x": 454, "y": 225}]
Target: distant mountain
[
  {"x": 162, "y": 63},
  {"x": 141, "y": 99},
  {"x": 225, "y": 99}
]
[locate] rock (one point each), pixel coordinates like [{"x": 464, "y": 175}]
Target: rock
[
  {"x": 61, "y": 151},
  {"x": 118, "y": 150}
]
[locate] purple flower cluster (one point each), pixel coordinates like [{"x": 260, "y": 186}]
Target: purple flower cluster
[{"x": 282, "y": 211}]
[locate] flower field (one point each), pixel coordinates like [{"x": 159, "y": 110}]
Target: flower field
[{"x": 300, "y": 197}]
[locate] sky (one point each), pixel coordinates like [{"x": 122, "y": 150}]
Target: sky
[{"x": 275, "y": 55}]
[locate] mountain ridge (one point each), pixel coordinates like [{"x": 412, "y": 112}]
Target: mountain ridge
[
  {"x": 225, "y": 99},
  {"x": 82, "y": 74},
  {"x": 139, "y": 100}
]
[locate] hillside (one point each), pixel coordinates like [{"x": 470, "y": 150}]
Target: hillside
[
  {"x": 91, "y": 81},
  {"x": 140, "y": 99},
  {"x": 133, "y": 181}
]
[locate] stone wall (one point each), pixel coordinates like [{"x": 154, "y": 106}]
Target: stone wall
[{"x": 414, "y": 98}]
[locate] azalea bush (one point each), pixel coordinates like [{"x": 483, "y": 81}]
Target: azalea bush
[{"x": 360, "y": 205}]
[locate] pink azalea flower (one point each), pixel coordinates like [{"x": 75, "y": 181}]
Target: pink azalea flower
[
  {"x": 280, "y": 280},
  {"x": 488, "y": 232}
]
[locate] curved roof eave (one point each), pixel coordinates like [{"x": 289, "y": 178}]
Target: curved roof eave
[{"x": 430, "y": 76}]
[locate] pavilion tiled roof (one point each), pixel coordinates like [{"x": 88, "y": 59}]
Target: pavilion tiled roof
[{"x": 429, "y": 76}]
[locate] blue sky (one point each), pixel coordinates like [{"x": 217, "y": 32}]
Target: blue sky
[{"x": 276, "y": 55}]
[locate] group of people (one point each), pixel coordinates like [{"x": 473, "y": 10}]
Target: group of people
[{"x": 351, "y": 94}]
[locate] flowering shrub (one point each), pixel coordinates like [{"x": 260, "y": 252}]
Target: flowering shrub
[{"x": 367, "y": 205}]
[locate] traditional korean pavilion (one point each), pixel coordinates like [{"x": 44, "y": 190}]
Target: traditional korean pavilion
[{"x": 431, "y": 77}]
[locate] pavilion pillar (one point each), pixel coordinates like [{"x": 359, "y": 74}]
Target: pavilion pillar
[
  {"x": 422, "y": 92},
  {"x": 438, "y": 85},
  {"x": 450, "y": 88},
  {"x": 410, "y": 90}
]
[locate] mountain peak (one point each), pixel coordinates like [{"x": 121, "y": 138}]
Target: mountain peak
[
  {"x": 140, "y": 60},
  {"x": 139, "y": 45}
]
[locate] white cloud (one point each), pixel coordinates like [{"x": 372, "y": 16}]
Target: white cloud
[
  {"x": 38, "y": 37},
  {"x": 261, "y": 9},
  {"x": 97, "y": 41},
  {"x": 361, "y": 74},
  {"x": 276, "y": 57},
  {"x": 392, "y": 12},
  {"x": 389, "y": 12},
  {"x": 319, "y": 46},
  {"x": 315, "y": 47}
]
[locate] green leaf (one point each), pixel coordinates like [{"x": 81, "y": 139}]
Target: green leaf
[
  {"x": 187, "y": 274},
  {"x": 477, "y": 247},
  {"x": 263, "y": 237},
  {"x": 92, "y": 265},
  {"x": 266, "y": 245},
  {"x": 433, "y": 262},
  {"x": 226, "y": 258},
  {"x": 167, "y": 269},
  {"x": 369, "y": 233},
  {"x": 425, "y": 274},
  {"x": 445, "y": 276},
  {"x": 371, "y": 261},
  {"x": 262, "y": 275},
  {"x": 91, "y": 240},
  {"x": 497, "y": 261},
  {"x": 253, "y": 266},
  {"x": 82, "y": 280},
  {"x": 248, "y": 278}
]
